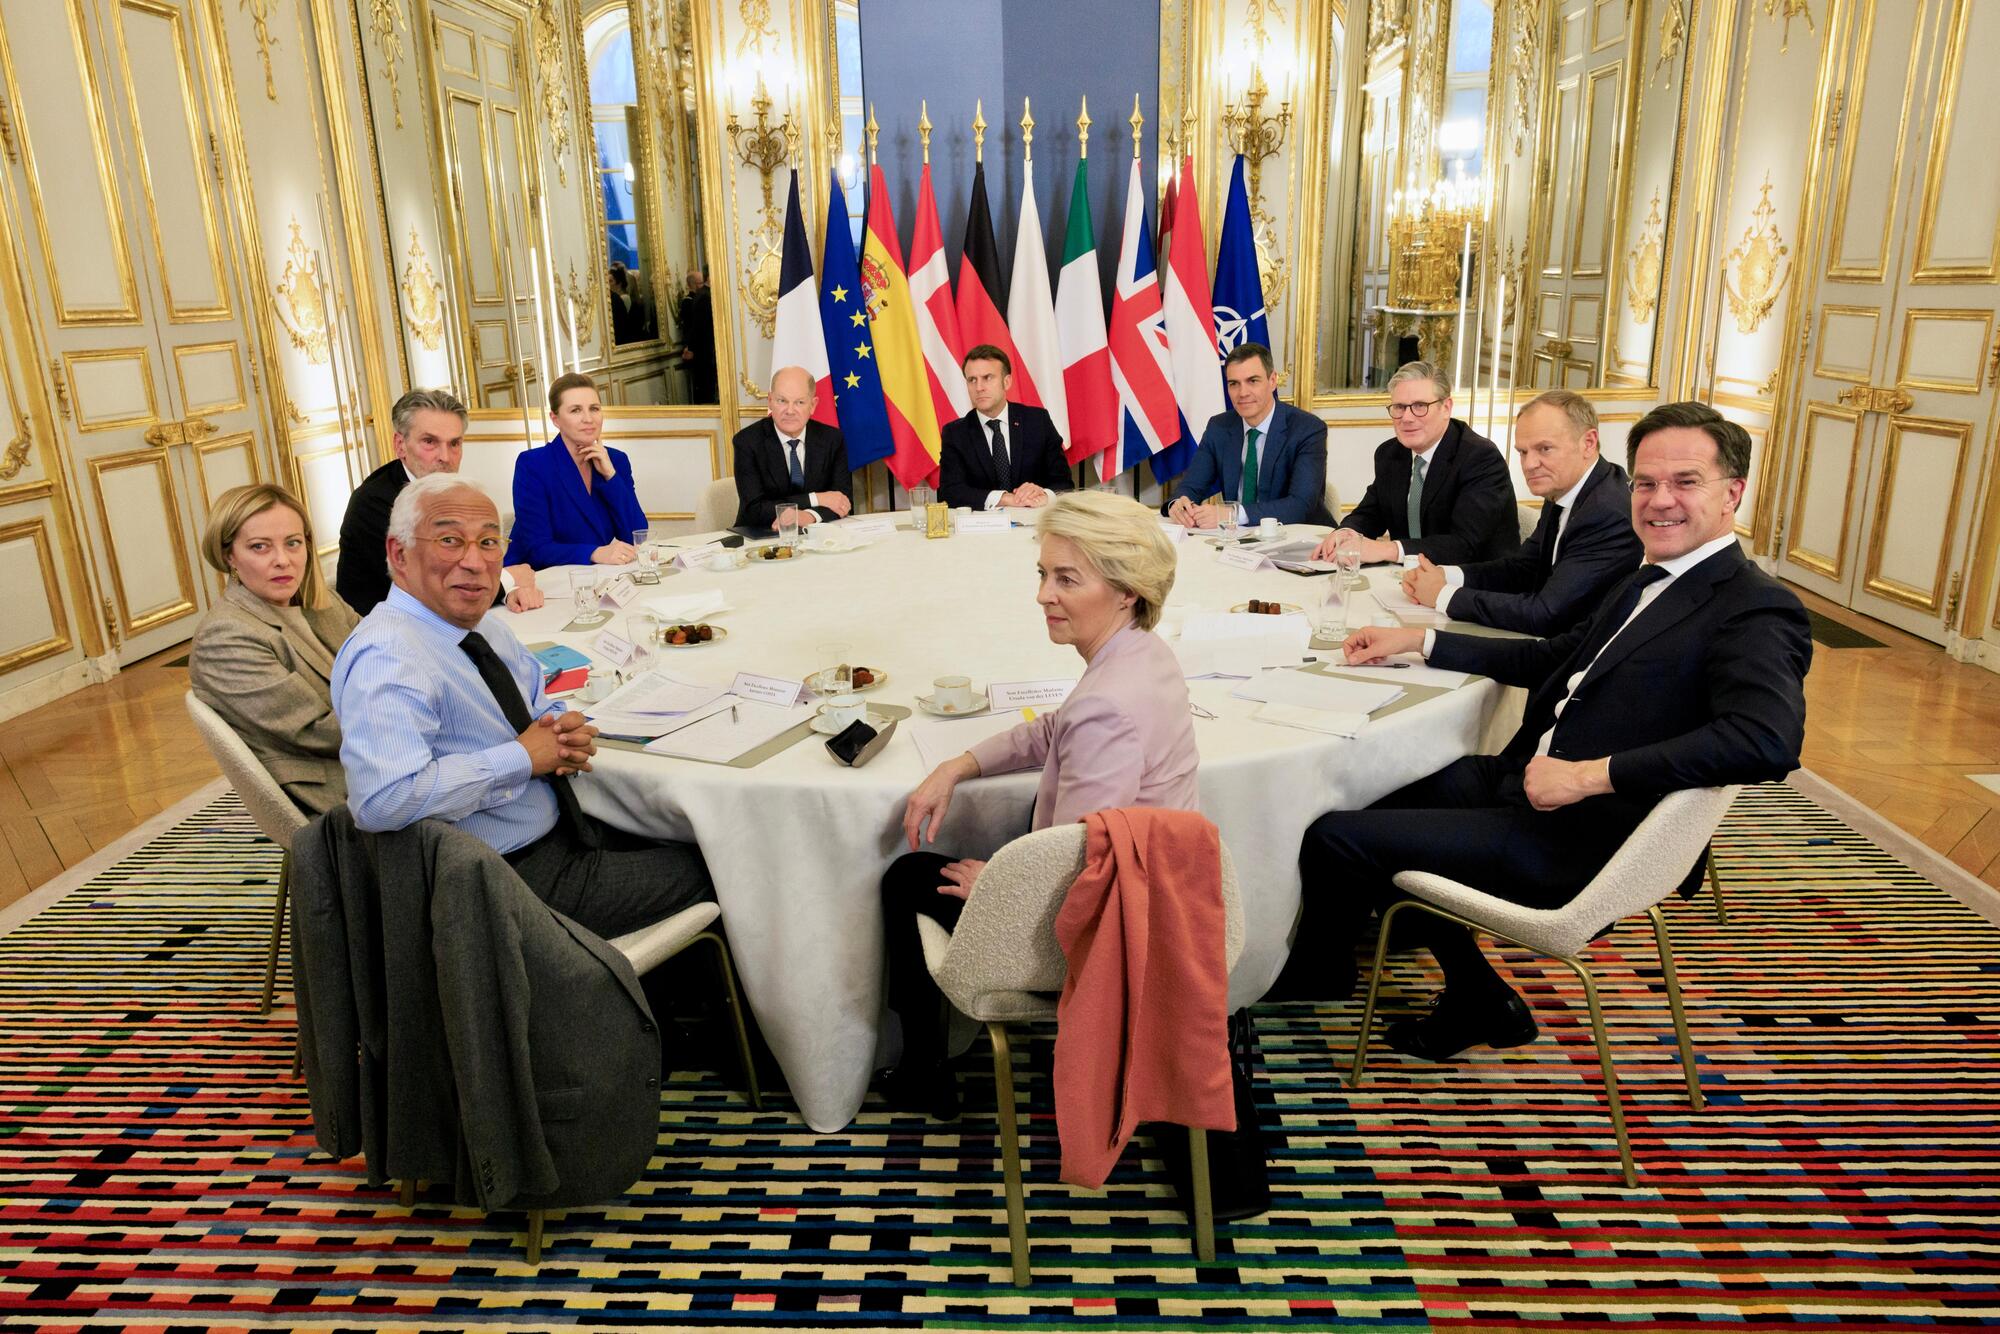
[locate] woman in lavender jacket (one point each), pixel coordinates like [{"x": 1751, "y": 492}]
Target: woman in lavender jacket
[{"x": 1124, "y": 737}]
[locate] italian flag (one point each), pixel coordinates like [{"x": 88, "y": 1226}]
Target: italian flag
[{"x": 1086, "y": 359}]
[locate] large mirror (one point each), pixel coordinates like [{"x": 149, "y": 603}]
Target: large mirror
[{"x": 1500, "y": 177}]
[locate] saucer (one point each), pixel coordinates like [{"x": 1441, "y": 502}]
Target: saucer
[
  {"x": 979, "y": 705},
  {"x": 1286, "y": 608},
  {"x": 818, "y": 682},
  {"x": 720, "y": 635},
  {"x": 825, "y": 726}
]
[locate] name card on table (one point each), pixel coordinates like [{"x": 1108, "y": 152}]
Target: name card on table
[
  {"x": 694, "y": 556},
  {"x": 1173, "y": 531},
  {"x": 614, "y": 649},
  {"x": 620, "y": 591},
  {"x": 875, "y": 525},
  {"x": 985, "y": 523},
  {"x": 768, "y": 689},
  {"x": 1242, "y": 558},
  {"x": 1006, "y": 695}
]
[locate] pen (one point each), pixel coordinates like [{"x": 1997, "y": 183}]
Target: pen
[{"x": 732, "y": 715}]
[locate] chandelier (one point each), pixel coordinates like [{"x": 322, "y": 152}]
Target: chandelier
[{"x": 1433, "y": 236}]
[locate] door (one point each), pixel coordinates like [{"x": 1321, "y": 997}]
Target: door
[
  {"x": 1579, "y": 159},
  {"x": 136, "y": 273},
  {"x": 1897, "y": 397}
]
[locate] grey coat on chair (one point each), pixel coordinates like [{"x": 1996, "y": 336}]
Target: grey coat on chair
[{"x": 459, "y": 1030}]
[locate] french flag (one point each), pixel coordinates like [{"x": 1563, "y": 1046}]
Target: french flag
[
  {"x": 798, "y": 339},
  {"x": 1142, "y": 376}
]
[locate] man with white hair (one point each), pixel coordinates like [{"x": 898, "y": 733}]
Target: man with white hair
[{"x": 444, "y": 717}]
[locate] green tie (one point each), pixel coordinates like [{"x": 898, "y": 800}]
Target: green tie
[
  {"x": 1250, "y": 468},
  {"x": 1416, "y": 513}
]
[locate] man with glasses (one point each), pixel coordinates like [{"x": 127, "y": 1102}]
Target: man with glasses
[
  {"x": 443, "y": 717},
  {"x": 789, "y": 459},
  {"x": 1582, "y": 544},
  {"x": 1690, "y": 674},
  {"x": 1441, "y": 489}
]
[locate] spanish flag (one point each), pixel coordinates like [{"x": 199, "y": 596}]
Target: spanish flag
[{"x": 897, "y": 350}]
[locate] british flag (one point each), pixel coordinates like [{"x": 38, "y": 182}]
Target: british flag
[{"x": 1148, "y": 415}]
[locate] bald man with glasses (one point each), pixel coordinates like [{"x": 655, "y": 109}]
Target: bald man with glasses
[
  {"x": 788, "y": 458},
  {"x": 1441, "y": 489}
]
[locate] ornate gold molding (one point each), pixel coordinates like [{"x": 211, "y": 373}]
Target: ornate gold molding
[
  {"x": 1789, "y": 10},
  {"x": 301, "y": 307},
  {"x": 757, "y": 29},
  {"x": 1673, "y": 36},
  {"x": 384, "y": 18},
  {"x": 1755, "y": 260},
  {"x": 549, "y": 62},
  {"x": 260, "y": 24},
  {"x": 583, "y": 297},
  {"x": 1642, "y": 267},
  {"x": 424, "y": 295},
  {"x": 1524, "y": 19},
  {"x": 15, "y": 456}
]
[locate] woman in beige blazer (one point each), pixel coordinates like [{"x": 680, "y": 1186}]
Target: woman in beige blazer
[{"x": 263, "y": 654}]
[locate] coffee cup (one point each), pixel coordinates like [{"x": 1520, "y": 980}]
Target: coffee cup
[
  {"x": 952, "y": 693},
  {"x": 725, "y": 560},
  {"x": 595, "y": 687},
  {"x": 843, "y": 711},
  {"x": 1267, "y": 528}
]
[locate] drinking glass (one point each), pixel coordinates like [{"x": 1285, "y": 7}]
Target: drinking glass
[
  {"x": 1225, "y": 519},
  {"x": 827, "y": 655},
  {"x": 583, "y": 586},
  {"x": 1335, "y": 608},
  {"x": 640, "y": 536},
  {"x": 642, "y": 628},
  {"x": 1347, "y": 560},
  {"x": 788, "y": 524}
]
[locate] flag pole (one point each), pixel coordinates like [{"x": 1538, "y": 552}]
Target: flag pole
[
  {"x": 1083, "y": 131},
  {"x": 1027, "y": 134},
  {"x": 979, "y": 132},
  {"x": 1138, "y": 123},
  {"x": 924, "y": 128},
  {"x": 874, "y": 131}
]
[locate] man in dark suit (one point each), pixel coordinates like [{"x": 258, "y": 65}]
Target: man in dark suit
[
  {"x": 696, "y": 318},
  {"x": 1690, "y": 674},
  {"x": 788, "y": 458},
  {"x": 1265, "y": 457},
  {"x": 1441, "y": 489},
  {"x": 1582, "y": 545},
  {"x": 1000, "y": 454},
  {"x": 428, "y": 436}
]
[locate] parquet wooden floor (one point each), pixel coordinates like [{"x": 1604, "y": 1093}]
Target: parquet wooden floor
[{"x": 1898, "y": 727}]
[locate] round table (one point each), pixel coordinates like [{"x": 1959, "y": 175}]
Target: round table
[{"x": 797, "y": 845}]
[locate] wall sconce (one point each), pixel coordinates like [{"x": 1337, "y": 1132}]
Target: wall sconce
[
  {"x": 764, "y": 149},
  {"x": 767, "y": 147},
  {"x": 1254, "y": 134}
]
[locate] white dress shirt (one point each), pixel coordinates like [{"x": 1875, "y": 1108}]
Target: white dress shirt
[
  {"x": 986, "y": 436},
  {"x": 1454, "y": 576}
]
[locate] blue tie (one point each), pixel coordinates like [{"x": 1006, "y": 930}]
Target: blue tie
[{"x": 798, "y": 472}]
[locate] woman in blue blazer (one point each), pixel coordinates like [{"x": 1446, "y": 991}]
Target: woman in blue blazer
[{"x": 573, "y": 497}]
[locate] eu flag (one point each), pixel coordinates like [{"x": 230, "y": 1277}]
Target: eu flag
[{"x": 843, "y": 315}]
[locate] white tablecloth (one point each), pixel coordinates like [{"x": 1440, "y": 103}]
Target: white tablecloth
[{"x": 798, "y": 844}]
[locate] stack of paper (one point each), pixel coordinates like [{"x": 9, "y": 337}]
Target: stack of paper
[
  {"x": 724, "y": 731},
  {"x": 1214, "y": 643},
  {"x": 652, "y": 703},
  {"x": 939, "y": 740},
  {"x": 1316, "y": 703},
  {"x": 689, "y": 606},
  {"x": 1389, "y": 595}
]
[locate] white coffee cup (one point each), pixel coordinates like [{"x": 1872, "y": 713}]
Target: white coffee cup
[
  {"x": 595, "y": 687},
  {"x": 1267, "y": 528},
  {"x": 725, "y": 560},
  {"x": 843, "y": 711},
  {"x": 952, "y": 692}
]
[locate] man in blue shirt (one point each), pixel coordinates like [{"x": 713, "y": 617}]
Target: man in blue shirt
[{"x": 444, "y": 717}]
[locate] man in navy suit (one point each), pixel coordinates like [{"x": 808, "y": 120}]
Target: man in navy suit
[
  {"x": 1691, "y": 673},
  {"x": 1000, "y": 454},
  {"x": 1265, "y": 457},
  {"x": 1582, "y": 545},
  {"x": 789, "y": 459},
  {"x": 1441, "y": 489}
]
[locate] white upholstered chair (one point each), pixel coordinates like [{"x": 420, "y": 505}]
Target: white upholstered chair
[
  {"x": 717, "y": 507},
  {"x": 275, "y": 813},
  {"x": 1526, "y": 516},
  {"x": 1650, "y": 865},
  {"x": 1002, "y": 965},
  {"x": 1332, "y": 497}
]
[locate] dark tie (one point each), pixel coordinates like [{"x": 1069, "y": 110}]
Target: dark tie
[
  {"x": 1415, "y": 512},
  {"x": 1249, "y": 487},
  {"x": 999, "y": 453},
  {"x": 798, "y": 469},
  {"x": 515, "y": 709},
  {"x": 1552, "y": 515},
  {"x": 1621, "y": 610}
]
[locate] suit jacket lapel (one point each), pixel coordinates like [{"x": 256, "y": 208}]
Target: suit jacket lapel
[
  {"x": 572, "y": 483},
  {"x": 1675, "y": 604},
  {"x": 1267, "y": 449},
  {"x": 1443, "y": 459}
]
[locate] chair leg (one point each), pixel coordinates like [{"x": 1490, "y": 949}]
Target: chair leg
[
  {"x": 536, "y": 1218},
  {"x": 1674, "y": 1005},
  {"x": 1715, "y": 887},
  {"x": 1204, "y": 1204},
  {"x": 1611, "y": 1095},
  {"x": 406, "y": 1193},
  {"x": 1374, "y": 986},
  {"x": 734, "y": 996},
  {"x": 1010, "y": 1152},
  {"x": 277, "y": 934}
]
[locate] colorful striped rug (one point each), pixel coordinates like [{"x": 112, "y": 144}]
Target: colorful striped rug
[{"x": 156, "y": 1168}]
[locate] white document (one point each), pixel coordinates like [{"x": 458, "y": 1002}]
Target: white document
[
  {"x": 1309, "y": 690},
  {"x": 659, "y": 694},
  {"x": 1174, "y": 531},
  {"x": 689, "y": 606},
  {"x": 1005, "y": 695},
  {"x": 1225, "y": 643},
  {"x": 938, "y": 741},
  {"x": 984, "y": 523},
  {"x": 1407, "y": 669},
  {"x": 694, "y": 557},
  {"x": 1311, "y": 720},
  {"x": 727, "y": 731},
  {"x": 783, "y": 691}
]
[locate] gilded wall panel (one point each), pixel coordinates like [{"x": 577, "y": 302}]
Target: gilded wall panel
[{"x": 36, "y": 624}]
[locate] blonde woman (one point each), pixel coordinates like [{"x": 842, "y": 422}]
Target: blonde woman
[
  {"x": 1124, "y": 737},
  {"x": 263, "y": 654}
]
